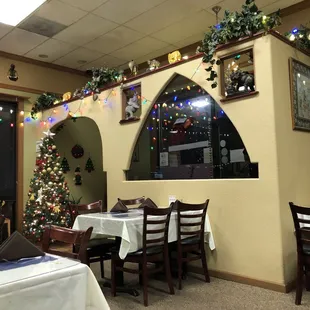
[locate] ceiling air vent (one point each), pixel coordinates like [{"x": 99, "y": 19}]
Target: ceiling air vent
[{"x": 41, "y": 26}]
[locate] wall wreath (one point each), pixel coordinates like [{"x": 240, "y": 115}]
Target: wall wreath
[{"x": 77, "y": 151}]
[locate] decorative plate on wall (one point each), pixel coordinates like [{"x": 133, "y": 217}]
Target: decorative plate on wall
[{"x": 77, "y": 151}]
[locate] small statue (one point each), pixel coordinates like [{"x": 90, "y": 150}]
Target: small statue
[
  {"x": 242, "y": 78},
  {"x": 198, "y": 50},
  {"x": 66, "y": 96},
  {"x": 133, "y": 67},
  {"x": 132, "y": 106},
  {"x": 153, "y": 64},
  {"x": 120, "y": 76}
]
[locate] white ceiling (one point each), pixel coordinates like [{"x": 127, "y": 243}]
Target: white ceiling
[{"x": 112, "y": 32}]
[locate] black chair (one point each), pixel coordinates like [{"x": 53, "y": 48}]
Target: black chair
[
  {"x": 98, "y": 250},
  {"x": 155, "y": 250},
  {"x": 191, "y": 236},
  {"x": 303, "y": 248},
  {"x": 132, "y": 201},
  {"x": 2, "y": 220}
]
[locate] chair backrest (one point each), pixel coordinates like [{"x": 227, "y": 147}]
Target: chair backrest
[
  {"x": 133, "y": 201},
  {"x": 191, "y": 219},
  {"x": 68, "y": 236},
  {"x": 2, "y": 220},
  {"x": 302, "y": 233},
  {"x": 75, "y": 210},
  {"x": 155, "y": 227}
]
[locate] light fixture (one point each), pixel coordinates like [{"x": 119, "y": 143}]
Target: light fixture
[
  {"x": 12, "y": 73},
  {"x": 14, "y": 11}
]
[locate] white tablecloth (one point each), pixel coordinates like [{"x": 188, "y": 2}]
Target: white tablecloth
[
  {"x": 49, "y": 283},
  {"x": 129, "y": 226}
]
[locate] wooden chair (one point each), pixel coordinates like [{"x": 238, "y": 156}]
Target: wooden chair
[
  {"x": 155, "y": 250},
  {"x": 2, "y": 220},
  {"x": 69, "y": 236},
  {"x": 303, "y": 248},
  {"x": 191, "y": 223},
  {"x": 133, "y": 201},
  {"x": 98, "y": 249}
]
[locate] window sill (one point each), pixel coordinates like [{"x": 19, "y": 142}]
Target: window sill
[
  {"x": 127, "y": 121},
  {"x": 241, "y": 96}
]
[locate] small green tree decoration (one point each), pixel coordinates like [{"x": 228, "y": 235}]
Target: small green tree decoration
[
  {"x": 89, "y": 165},
  {"x": 65, "y": 165},
  {"x": 234, "y": 26}
]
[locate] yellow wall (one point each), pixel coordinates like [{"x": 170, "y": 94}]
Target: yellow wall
[
  {"x": 85, "y": 133},
  {"x": 244, "y": 213},
  {"x": 293, "y": 148}
]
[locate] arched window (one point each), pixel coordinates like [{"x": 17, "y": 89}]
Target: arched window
[{"x": 188, "y": 136}]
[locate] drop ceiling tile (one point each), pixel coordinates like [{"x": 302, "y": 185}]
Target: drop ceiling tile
[
  {"x": 20, "y": 41},
  {"x": 88, "y": 6},
  {"x": 273, "y": 7},
  {"x": 60, "y": 12},
  {"x": 161, "y": 16},
  {"x": 203, "y": 4},
  {"x": 4, "y": 29},
  {"x": 81, "y": 54},
  {"x": 106, "y": 60},
  {"x": 121, "y": 11},
  {"x": 197, "y": 22},
  {"x": 54, "y": 49},
  {"x": 190, "y": 40},
  {"x": 114, "y": 40},
  {"x": 85, "y": 30},
  {"x": 155, "y": 54},
  {"x": 139, "y": 48}
]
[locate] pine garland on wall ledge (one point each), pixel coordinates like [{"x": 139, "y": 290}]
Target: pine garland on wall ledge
[
  {"x": 43, "y": 102},
  {"x": 234, "y": 26},
  {"x": 300, "y": 36}
]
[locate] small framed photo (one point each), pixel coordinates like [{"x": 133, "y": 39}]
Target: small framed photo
[{"x": 300, "y": 94}]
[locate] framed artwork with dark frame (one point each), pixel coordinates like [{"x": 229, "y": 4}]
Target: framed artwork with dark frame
[
  {"x": 300, "y": 94},
  {"x": 131, "y": 104},
  {"x": 238, "y": 75}
]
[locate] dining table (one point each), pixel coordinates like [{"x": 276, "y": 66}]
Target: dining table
[
  {"x": 127, "y": 228},
  {"x": 49, "y": 282}
]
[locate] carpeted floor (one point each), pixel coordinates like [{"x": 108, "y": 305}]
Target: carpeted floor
[{"x": 196, "y": 294}]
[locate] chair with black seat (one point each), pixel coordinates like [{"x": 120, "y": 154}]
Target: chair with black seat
[
  {"x": 191, "y": 223},
  {"x": 155, "y": 250},
  {"x": 301, "y": 217},
  {"x": 76, "y": 238},
  {"x": 132, "y": 201},
  {"x": 2, "y": 220},
  {"x": 98, "y": 249}
]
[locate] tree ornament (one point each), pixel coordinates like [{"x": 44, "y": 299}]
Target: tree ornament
[
  {"x": 77, "y": 151},
  {"x": 89, "y": 165},
  {"x": 53, "y": 147},
  {"x": 56, "y": 169},
  {"x": 49, "y": 169},
  {"x": 77, "y": 179},
  {"x": 65, "y": 165}
]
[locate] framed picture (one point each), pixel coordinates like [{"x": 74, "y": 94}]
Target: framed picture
[{"x": 300, "y": 94}]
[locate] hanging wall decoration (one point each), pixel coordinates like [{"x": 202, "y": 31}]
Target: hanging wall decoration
[
  {"x": 77, "y": 178},
  {"x": 77, "y": 151},
  {"x": 131, "y": 100},
  {"x": 65, "y": 165},
  {"x": 89, "y": 165},
  {"x": 174, "y": 57}
]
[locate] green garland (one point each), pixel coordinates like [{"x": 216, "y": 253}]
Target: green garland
[
  {"x": 100, "y": 77},
  {"x": 234, "y": 26},
  {"x": 43, "y": 102},
  {"x": 301, "y": 37}
]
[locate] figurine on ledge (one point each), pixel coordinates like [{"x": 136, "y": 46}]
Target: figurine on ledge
[{"x": 244, "y": 79}]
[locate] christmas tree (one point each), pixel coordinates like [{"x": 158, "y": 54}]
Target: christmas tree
[
  {"x": 65, "y": 165},
  {"x": 89, "y": 165},
  {"x": 48, "y": 193}
]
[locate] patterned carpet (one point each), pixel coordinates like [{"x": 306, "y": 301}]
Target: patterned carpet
[{"x": 196, "y": 294}]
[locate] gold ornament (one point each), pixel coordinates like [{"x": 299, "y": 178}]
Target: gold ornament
[
  {"x": 49, "y": 169},
  {"x": 53, "y": 147},
  {"x": 56, "y": 209},
  {"x": 66, "y": 96},
  {"x": 52, "y": 172},
  {"x": 50, "y": 183},
  {"x": 60, "y": 172},
  {"x": 174, "y": 57},
  {"x": 32, "y": 197},
  {"x": 43, "y": 171},
  {"x": 56, "y": 168}
]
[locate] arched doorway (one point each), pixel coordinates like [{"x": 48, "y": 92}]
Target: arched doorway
[{"x": 84, "y": 132}]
